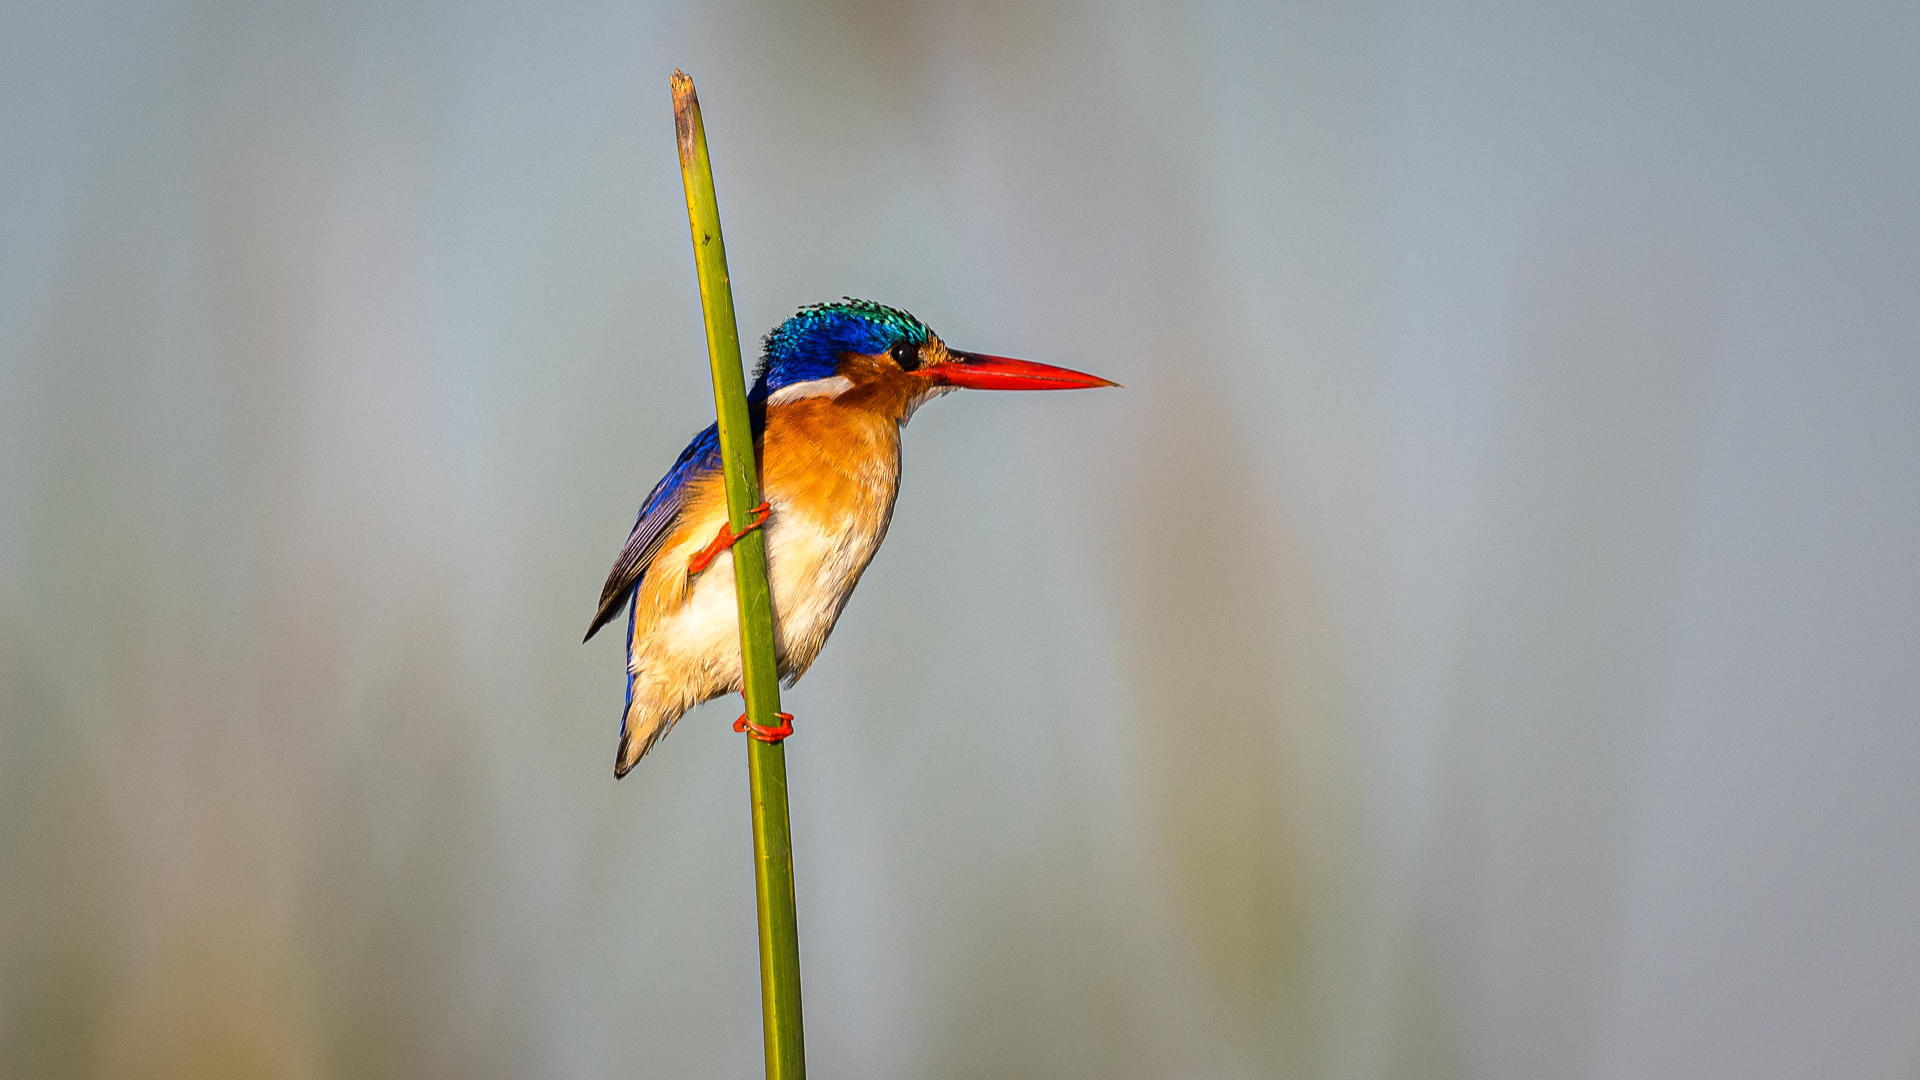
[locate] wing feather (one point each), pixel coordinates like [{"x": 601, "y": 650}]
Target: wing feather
[{"x": 657, "y": 517}]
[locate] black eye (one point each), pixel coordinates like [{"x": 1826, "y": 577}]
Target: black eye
[{"x": 907, "y": 355}]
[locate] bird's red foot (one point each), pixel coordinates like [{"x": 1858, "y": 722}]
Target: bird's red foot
[
  {"x": 766, "y": 734},
  {"x": 726, "y": 538}
]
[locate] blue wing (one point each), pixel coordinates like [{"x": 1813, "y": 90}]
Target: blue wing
[{"x": 650, "y": 530}]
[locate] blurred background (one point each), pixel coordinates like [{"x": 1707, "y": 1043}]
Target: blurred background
[{"x": 1483, "y": 640}]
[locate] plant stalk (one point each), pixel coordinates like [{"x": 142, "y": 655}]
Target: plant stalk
[{"x": 766, "y": 762}]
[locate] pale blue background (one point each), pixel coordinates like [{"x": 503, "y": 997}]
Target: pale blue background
[{"x": 1483, "y": 640}]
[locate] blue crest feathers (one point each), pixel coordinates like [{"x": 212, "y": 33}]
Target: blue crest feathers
[{"x": 809, "y": 345}]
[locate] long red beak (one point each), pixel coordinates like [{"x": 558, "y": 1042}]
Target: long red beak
[{"x": 978, "y": 371}]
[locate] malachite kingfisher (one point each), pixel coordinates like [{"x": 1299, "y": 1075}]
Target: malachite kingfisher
[{"x": 836, "y": 383}]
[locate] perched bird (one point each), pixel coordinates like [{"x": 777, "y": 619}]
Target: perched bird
[{"x": 835, "y": 385}]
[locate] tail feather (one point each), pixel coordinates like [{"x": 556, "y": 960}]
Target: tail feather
[{"x": 638, "y": 735}]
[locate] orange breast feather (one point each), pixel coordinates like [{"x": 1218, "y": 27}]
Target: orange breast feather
[{"x": 831, "y": 462}]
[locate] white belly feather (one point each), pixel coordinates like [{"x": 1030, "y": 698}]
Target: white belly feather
[{"x": 692, "y": 654}]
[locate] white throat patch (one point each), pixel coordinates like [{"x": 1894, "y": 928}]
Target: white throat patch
[{"x": 921, "y": 398}]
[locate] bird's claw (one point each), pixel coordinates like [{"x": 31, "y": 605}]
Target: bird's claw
[
  {"x": 766, "y": 734},
  {"x": 726, "y": 538}
]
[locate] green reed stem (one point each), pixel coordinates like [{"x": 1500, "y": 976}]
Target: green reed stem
[{"x": 766, "y": 762}]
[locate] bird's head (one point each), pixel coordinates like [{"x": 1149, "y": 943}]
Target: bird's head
[{"x": 867, "y": 354}]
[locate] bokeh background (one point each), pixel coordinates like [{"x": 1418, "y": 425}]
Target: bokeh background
[{"x": 1483, "y": 640}]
